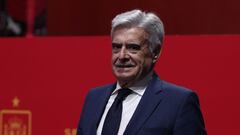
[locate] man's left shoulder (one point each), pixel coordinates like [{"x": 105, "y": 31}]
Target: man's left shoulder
[
  {"x": 176, "y": 90},
  {"x": 178, "y": 95},
  {"x": 168, "y": 87}
]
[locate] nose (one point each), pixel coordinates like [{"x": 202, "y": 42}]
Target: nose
[{"x": 123, "y": 54}]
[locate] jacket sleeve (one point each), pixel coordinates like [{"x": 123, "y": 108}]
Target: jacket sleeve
[
  {"x": 189, "y": 118},
  {"x": 82, "y": 117}
]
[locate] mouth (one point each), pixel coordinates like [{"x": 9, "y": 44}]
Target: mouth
[{"x": 124, "y": 66}]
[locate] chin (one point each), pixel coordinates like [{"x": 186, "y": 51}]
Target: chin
[{"x": 124, "y": 76}]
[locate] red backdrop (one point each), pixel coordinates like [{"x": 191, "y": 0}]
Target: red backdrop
[
  {"x": 87, "y": 17},
  {"x": 52, "y": 75},
  {"x": 83, "y": 17}
]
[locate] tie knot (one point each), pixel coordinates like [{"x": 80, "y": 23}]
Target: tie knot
[{"x": 123, "y": 93}]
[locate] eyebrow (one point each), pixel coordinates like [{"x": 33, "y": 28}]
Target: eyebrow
[
  {"x": 115, "y": 43},
  {"x": 133, "y": 46}
]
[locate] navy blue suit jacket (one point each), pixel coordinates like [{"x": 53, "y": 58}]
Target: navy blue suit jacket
[{"x": 165, "y": 109}]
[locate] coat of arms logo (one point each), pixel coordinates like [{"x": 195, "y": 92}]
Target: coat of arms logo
[{"x": 15, "y": 121}]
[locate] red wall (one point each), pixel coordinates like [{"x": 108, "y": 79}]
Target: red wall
[
  {"x": 52, "y": 75},
  {"x": 82, "y": 17},
  {"x": 17, "y": 9}
]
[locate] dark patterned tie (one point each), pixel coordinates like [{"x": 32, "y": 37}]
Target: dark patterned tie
[{"x": 114, "y": 115}]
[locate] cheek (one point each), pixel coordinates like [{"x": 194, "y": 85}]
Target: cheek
[
  {"x": 144, "y": 62},
  {"x": 113, "y": 58},
  {"x": 139, "y": 64},
  {"x": 140, "y": 60}
]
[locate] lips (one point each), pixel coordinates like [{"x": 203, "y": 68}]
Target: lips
[{"x": 124, "y": 65}]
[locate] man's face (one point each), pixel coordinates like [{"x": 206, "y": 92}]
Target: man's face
[{"x": 131, "y": 57}]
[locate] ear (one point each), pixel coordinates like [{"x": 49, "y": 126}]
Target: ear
[
  {"x": 155, "y": 57},
  {"x": 156, "y": 54}
]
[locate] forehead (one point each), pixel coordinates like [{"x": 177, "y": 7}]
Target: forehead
[{"x": 134, "y": 34}]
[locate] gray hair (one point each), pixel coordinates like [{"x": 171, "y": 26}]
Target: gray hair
[{"x": 150, "y": 22}]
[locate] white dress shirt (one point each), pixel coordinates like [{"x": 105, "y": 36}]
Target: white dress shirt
[{"x": 129, "y": 104}]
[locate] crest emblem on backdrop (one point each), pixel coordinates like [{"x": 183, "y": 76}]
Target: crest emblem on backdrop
[{"x": 15, "y": 121}]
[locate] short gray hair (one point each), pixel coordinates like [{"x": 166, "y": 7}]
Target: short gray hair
[{"x": 150, "y": 22}]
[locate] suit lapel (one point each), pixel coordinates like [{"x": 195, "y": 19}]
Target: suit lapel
[
  {"x": 100, "y": 106},
  {"x": 150, "y": 100}
]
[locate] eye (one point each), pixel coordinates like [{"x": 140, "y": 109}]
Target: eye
[
  {"x": 133, "y": 47},
  {"x": 116, "y": 46}
]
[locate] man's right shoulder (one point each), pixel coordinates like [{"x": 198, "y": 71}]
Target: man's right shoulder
[{"x": 101, "y": 89}]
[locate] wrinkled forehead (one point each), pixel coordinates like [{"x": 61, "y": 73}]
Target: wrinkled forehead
[{"x": 134, "y": 34}]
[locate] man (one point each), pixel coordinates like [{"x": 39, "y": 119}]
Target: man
[{"x": 139, "y": 103}]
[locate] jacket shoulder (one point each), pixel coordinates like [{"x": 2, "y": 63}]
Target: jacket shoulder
[
  {"x": 101, "y": 89},
  {"x": 174, "y": 89}
]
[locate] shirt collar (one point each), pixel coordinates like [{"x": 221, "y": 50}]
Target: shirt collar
[{"x": 138, "y": 87}]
